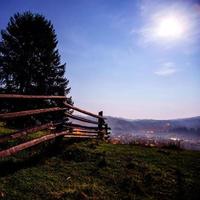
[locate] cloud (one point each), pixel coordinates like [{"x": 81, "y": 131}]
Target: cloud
[{"x": 166, "y": 69}]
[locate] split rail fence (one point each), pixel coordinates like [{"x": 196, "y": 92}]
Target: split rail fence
[{"x": 98, "y": 130}]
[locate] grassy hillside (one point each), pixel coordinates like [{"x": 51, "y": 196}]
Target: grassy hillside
[{"x": 87, "y": 170}]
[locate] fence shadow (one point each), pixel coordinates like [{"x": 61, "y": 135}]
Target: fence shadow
[{"x": 13, "y": 164}]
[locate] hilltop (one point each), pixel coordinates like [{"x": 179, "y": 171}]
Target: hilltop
[{"x": 92, "y": 170}]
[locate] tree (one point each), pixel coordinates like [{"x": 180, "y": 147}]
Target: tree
[{"x": 30, "y": 61}]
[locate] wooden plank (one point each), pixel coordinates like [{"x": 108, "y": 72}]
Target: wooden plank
[
  {"x": 20, "y": 147},
  {"x": 72, "y": 125},
  {"x": 24, "y": 132},
  {"x": 83, "y": 134},
  {"x": 18, "y": 96},
  {"x": 14, "y": 96},
  {"x": 84, "y": 131},
  {"x": 81, "y": 119},
  {"x": 68, "y": 133},
  {"x": 83, "y": 111},
  {"x": 79, "y": 136},
  {"x": 29, "y": 112}
]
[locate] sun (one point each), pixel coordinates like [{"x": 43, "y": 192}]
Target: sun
[{"x": 170, "y": 27}]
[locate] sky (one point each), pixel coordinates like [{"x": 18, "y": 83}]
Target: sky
[{"x": 135, "y": 59}]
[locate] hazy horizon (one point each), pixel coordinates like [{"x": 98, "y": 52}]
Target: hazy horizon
[
  {"x": 131, "y": 59},
  {"x": 153, "y": 118}
]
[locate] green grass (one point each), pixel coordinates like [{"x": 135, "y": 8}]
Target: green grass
[
  {"x": 87, "y": 170},
  {"x": 4, "y": 130}
]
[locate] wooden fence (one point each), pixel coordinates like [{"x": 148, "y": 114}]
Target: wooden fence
[{"x": 98, "y": 130}]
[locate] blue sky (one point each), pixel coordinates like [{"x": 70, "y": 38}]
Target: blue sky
[{"x": 117, "y": 62}]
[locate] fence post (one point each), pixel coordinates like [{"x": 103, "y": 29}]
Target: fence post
[
  {"x": 100, "y": 125},
  {"x": 59, "y": 139},
  {"x": 106, "y": 129}
]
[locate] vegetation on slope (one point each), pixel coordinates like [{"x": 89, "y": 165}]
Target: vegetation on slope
[{"x": 88, "y": 170}]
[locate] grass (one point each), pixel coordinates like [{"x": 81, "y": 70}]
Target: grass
[
  {"x": 9, "y": 143},
  {"x": 97, "y": 170},
  {"x": 4, "y": 130},
  {"x": 104, "y": 171}
]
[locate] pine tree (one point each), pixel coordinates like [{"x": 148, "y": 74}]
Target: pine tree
[{"x": 30, "y": 62}]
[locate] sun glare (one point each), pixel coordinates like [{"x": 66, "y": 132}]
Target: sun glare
[{"x": 170, "y": 27}]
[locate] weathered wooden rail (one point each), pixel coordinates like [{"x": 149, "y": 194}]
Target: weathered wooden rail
[{"x": 69, "y": 128}]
